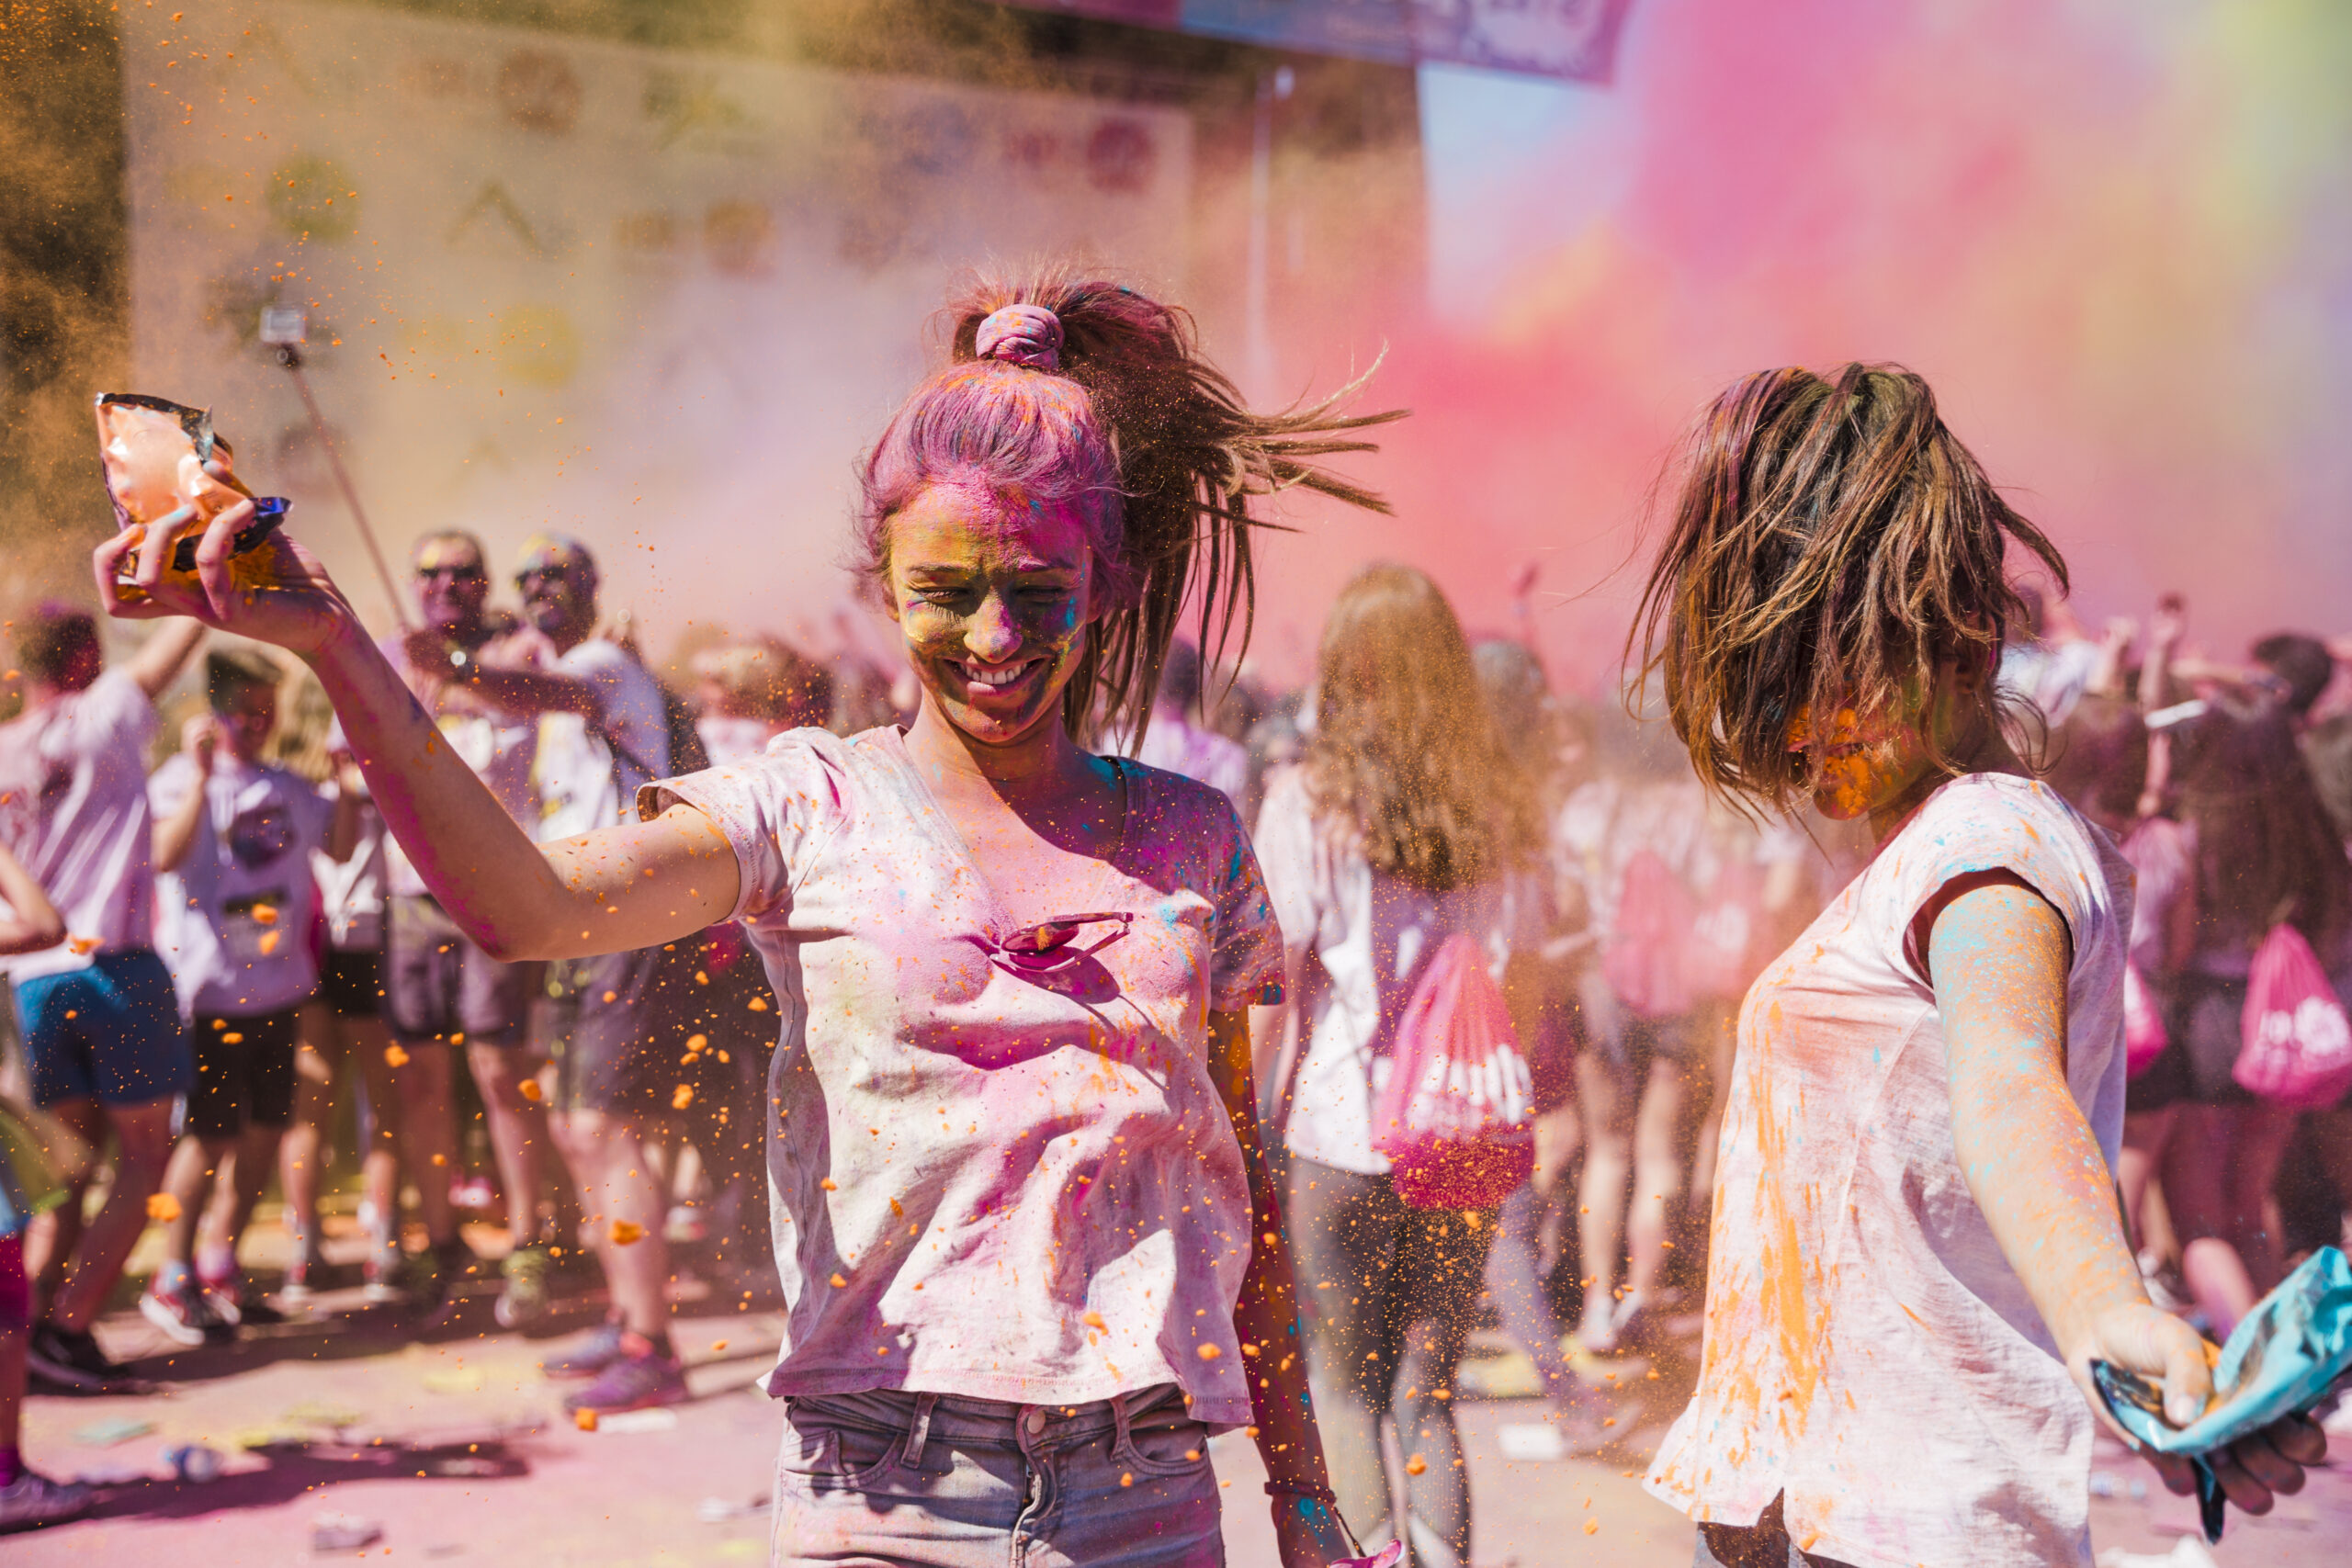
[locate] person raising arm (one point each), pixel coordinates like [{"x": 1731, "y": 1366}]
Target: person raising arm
[{"x": 1066, "y": 1259}]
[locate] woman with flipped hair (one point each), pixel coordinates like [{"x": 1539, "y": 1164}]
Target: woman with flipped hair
[
  {"x": 1030, "y": 1254},
  {"x": 1916, "y": 1254},
  {"x": 1405, "y": 822}
]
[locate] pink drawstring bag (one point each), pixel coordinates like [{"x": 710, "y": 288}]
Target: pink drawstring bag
[
  {"x": 1452, "y": 1117},
  {"x": 1723, "y": 960},
  {"x": 2298, "y": 1044},
  {"x": 1649, "y": 965},
  {"x": 2144, "y": 1025}
]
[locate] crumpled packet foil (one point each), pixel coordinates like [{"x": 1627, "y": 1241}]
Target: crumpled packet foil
[
  {"x": 155, "y": 453},
  {"x": 2281, "y": 1361}
]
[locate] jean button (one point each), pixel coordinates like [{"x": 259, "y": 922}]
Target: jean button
[{"x": 1034, "y": 1422}]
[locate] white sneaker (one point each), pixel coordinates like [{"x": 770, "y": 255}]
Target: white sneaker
[{"x": 181, "y": 1315}]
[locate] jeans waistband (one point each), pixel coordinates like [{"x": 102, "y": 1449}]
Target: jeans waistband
[{"x": 957, "y": 1421}]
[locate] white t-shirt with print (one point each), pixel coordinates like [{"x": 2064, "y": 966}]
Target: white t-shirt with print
[
  {"x": 234, "y": 921},
  {"x": 580, "y": 782},
  {"x": 982, "y": 1184},
  {"x": 73, "y": 810},
  {"x": 1869, "y": 1351},
  {"x": 1364, "y": 934}
]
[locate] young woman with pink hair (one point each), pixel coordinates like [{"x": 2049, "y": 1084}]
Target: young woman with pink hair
[{"x": 1030, "y": 1256}]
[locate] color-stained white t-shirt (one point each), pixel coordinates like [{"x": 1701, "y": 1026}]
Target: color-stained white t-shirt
[
  {"x": 500, "y": 747},
  {"x": 73, "y": 810},
  {"x": 233, "y": 920},
  {"x": 1869, "y": 1351},
  {"x": 1364, "y": 934},
  {"x": 1009, "y": 1188},
  {"x": 581, "y": 780}
]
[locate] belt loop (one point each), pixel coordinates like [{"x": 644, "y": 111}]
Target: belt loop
[
  {"x": 1125, "y": 1434},
  {"x": 917, "y": 1431}
]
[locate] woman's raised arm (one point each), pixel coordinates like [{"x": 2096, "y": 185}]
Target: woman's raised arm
[{"x": 619, "y": 888}]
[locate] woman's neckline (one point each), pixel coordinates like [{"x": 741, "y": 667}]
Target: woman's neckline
[{"x": 944, "y": 828}]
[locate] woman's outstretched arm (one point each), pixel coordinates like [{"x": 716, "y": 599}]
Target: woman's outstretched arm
[
  {"x": 1998, "y": 960},
  {"x": 619, "y": 888}
]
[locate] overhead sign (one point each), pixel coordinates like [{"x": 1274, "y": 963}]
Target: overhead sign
[{"x": 1574, "y": 39}]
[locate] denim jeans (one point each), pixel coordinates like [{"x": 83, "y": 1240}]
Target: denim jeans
[{"x": 937, "y": 1481}]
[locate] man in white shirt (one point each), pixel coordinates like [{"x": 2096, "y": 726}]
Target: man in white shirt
[
  {"x": 103, "y": 1043},
  {"x": 235, "y": 903},
  {"x": 441, "y": 990},
  {"x": 615, "y": 1025}
]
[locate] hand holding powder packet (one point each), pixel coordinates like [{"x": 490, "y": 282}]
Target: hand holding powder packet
[
  {"x": 162, "y": 457},
  {"x": 2281, "y": 1361}
]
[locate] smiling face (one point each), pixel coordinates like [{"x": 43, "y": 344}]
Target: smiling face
[{"x": 994, "y": 597}]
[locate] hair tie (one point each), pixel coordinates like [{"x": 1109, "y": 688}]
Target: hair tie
[{"x": 1021, "y": 334}]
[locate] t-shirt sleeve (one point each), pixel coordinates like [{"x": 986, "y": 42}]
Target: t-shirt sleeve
[
  {"x": 118, "y": 709},
  {"x": 776, "y": 809},
  {"x": 1981, "y": 825},
  {"x": 1246, "y": 959}
]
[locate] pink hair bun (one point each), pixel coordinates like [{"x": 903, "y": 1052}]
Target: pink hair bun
[{"x": 1021, "y": 334}]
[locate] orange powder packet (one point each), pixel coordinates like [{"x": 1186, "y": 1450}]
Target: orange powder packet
[{"x": 154, "y": 453}]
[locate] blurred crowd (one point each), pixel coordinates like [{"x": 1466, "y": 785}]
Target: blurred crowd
[{"x": 230, "y": 982}]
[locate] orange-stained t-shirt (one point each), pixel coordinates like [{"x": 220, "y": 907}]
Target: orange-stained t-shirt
[
  {"x": 1869, "y": 1351},
  {"x": 1015, "y": 1188}
]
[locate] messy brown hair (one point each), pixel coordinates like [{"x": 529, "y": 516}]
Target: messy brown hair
[
  {"x": 1149, "y": 442},
  {"x": 1404, "y": 748},
  {"x": 1831, "y": 542}
]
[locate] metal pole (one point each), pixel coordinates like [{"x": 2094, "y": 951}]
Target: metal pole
[{"x": 290, "y": 357}]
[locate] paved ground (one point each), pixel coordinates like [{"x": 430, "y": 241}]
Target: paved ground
[{"x": 451, "y": 1445}]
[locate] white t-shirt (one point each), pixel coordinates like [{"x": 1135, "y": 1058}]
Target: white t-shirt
[
  {"x": 1364, "y": 934},
  {"x": 497, "y": 745},
  {"x": 982, "y": 1184},
  {"x": 574, "y": 775},
  {"x": 74, "y": 809},
  {"x": 733, "y": 737},
  {"x": 351, "y": 891},
  {"x": 233, "y": 922},
  {"x": 1869, "y": 1351}
]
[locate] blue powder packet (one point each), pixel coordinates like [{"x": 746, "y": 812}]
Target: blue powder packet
[{"x": 2281, "y": 1361}]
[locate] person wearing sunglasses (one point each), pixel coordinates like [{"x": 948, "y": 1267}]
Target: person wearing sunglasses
[
  {"x": 443, "y": 991},
  {"x": 1030, "y": 1253}
]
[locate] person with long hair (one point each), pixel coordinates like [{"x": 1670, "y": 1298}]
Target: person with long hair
[
  {"x": 1030, "y": 1255},
  {"x": 1914, "y": 1255},
  {"x": 1405, "y": 823},
  {"x": 2265, "y": 853}
]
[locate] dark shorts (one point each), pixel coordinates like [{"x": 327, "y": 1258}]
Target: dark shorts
[
  {"x": 629, "y": 1031},
  {"x": 2207, "y": 1028},
  {"x": 1623, "y": 1038},
  {"x": 110, "y": 1032},
  {"x": 244, "y": 1072},
  {"x": 441, "y": 986},
  {"x": 351, "y": 982}
]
